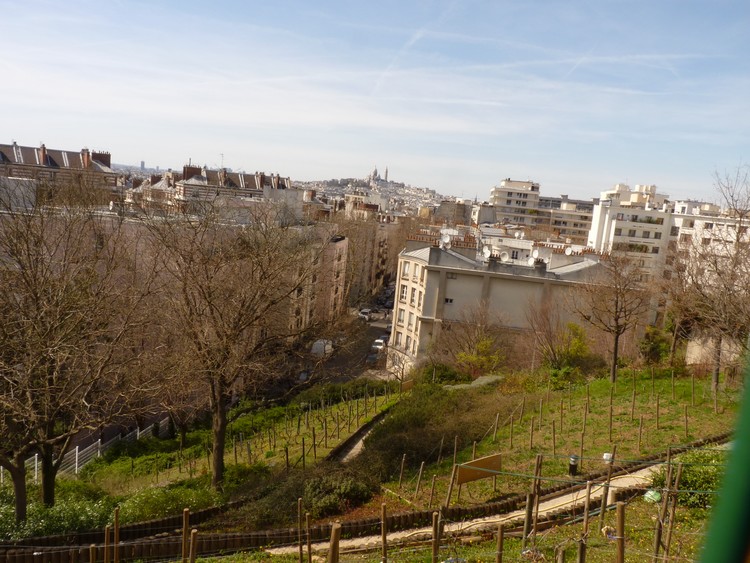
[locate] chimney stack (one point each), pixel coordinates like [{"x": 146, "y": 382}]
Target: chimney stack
[
  {"x": 43, "y": 155},
  {"x": 85, "y": 158}
]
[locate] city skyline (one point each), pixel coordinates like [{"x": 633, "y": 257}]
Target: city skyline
[{"x": 454, "y": 96}]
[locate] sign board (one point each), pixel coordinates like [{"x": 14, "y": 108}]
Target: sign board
[
  {"x": 478, "y": 469},
  {"x": 407, "y": 385}
]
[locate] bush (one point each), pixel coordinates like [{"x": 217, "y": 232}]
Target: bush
[
  {"x": 335, "y": 493},
  {"x": 66, "y": 516},
  {"x": 441, "y": 373},
  {"x": 702, "y": 470},
  {"x": 167, "y": 501}
]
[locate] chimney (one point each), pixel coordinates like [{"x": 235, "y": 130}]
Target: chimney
[
  {"x": 85, "y": 158},
  {"x": 43, "y": 155},
  {"x": 103, "y": 158},
  {"x": 188, "y": 171}
]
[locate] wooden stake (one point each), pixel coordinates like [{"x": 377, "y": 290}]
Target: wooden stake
[
  {"x": 193, "y": 545},
  {"x": 640, "y": 432},
  {"x": 299, "y": 530},
  {"x": 333, "y": 549},
  {"x": 384, "y": 533},
  {"x": 419, "y": 477},
  {"x": 440, "y": 450},
  {"x": 657, "y": 411},
  {"x": 531, "y": 434},
  {"x": 401, "y": 473},
  {"x": 450, "y": 486},
  {"x": 309, "y": 537},
  {"x": 580, "y": 453},
  {"x": 586, "y": 508},
  {"x": 499, "y": 551},
  {"x": 455, "y": 449},
  {"x": 605, "y": 490},
  {"x": 554, "y": 446},
  {"x": 686, "y": 422},
  {"x": 314, "y": 445},
  {"x": 541, "y": 412},
  {"x": 673, "y": 384},
  {"x": 527, "y": 520},
  {"x": 588, "y": 399},
  {"x": 523, "y": 406},
  {"x": 692, "y": 388},
  {"x": 620, "y": 532},
  {"x": 672, "y": 511},
  {"x": 304, "y": 452},
  {"x": 561, "y": 416},
  {"x": 435, "y": 537},
  {"x": 511, "y": 432},
  {"x": 185, "y": 535},
  {"x": 432, "y": 491},
  {"x": 610, "y": 416},
  {"x": 107, "y": 550},
  {"x": 494, "y": 431},
  {"x": 117, "y": 535},
  {"x": 632, "y": 406}
]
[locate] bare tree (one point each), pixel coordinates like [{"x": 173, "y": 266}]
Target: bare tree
[
  {"x": 552, "y": 337},
  {"x": 474, "y": 344},
  {"x": 237, "y": 299},
  {"x": 613, "y": 301},
  {"x": 68, "y": 310},
  {"x": 711, "y": 269}
]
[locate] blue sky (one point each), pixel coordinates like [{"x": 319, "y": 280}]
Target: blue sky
[{"x": 453, "y": 95}]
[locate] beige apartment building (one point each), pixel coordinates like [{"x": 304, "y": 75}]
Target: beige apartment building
[{"x": 440, "y": 282}]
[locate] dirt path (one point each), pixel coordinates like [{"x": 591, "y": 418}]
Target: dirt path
[{"x": 546, "y": 507}]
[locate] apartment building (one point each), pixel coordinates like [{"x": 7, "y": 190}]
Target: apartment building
[
  {"x": 47, "y": 167},
  {"x": 443, "y": 278},
  {"x": 516, "y": 202}
]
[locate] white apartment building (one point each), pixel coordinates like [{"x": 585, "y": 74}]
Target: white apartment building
[
  {"x": 440, "y": 283},
  {"x": 515, "y": 202}
]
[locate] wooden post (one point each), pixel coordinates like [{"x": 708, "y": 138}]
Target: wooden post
[
  {"x": 531, "y": 434},
  {"x": 527, "y": 519},
  {"x": 640, "y": 432},
  {"x": 499, "y": 551},
  {"x": 432, "y": 491},
  {"x": 561, "y": 416},
  {"x": 580, "y": 453},
  {"x": 474, "y": 451},
  {"x": 536, "y": 485},
  {"x": 325, "y": 433},
  {"x": 554, "y": 447},
  {"x": 611, "y": 407},
  {"x": 686, "y": 422},
  {"x": 588, "y": 399},
  {"x": 314, "y": 445},
  {"x": 419, "y": 477},
  {"x": 384, "y": 533},
  {"x": 234, "y": 447},
  {"x": 652, "y": 381},
  {"x": 523, "y": 405},
  {"x": 401, "y": 473},
  {"x": 338, "y": 425},
  {"x": 692, "y": 388},
  {"x": 455, "y": 449},
  {"x": 304, "y": 452},
  {"x": 193, "y": 545},
  {"x": 185, "y": 533},
  {"x": 440, "y": 450},
  {"x": 117, "y": 535},
  {"x": 309, "y": 537},
  {"x": 585, "y": 420},
  {"x": 106, "y": 545},
  {"x": 632, "y": 406},
  {"x": 435, "y": 536},
  {"x": 620, "y": 532},
  {"x": 299, "y": 531},
  {"x": 672, "y": 510},
  {"x": 494, "y": 430},
  {"x": 92, "y": 553},
  {"x": 657, "y": 411},
  {"x": 541, "y": 409},
  {"x": 333, "y": 548},
  {"x": 586, "y": 509},
  {"x": 450, "y": 486},
  {"x": 605, "y": 490},
  {"x": 673, "y": 384},
  {"x": 511, "y": 431}
]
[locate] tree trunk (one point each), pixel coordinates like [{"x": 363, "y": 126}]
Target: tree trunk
[
  {"x": 615, "y": 354},
  {"x": 49, "y": 473},
  {"x": 717, "y": 364},
  {"x": 219, "y": 430},
  {"x": 673, "y": 344},
  {"x": 18, "y": 475}
]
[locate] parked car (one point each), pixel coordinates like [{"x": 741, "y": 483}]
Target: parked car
[
  {"x": 365, "y": 314},
  {"x": 378, "y": 345}
]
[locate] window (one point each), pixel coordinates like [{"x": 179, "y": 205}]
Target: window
[
  {"x": 618, "y": 232},
  {"x": 402, "y": 292},
  {"x": 657, "y": 235},
  {"x": 708, "y": 226},
  {"x": 449, "y": 300},
  {"x": 421, "y": 277},
  {"x": 405, "y": 269},
  {"x": 655, "y": 250},
  {"x": 413, "y": 299},
  {"x": 408, "y": 342},
  {"x": 646, "y": 234},
  {"x": 400, "y": 317},
  {"x": 631, "y": 233},
  {"x": 411, "y": 320},
  {"x": 419, "y": 300},
  {"x": 399, "y": 338},
  {"x": 514, "y": 254},
  {"x": 451, "y": 275},
  {"x": 416, "y": 271}
]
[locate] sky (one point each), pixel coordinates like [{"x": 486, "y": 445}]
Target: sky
[{"x": 450, "y": 95}]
